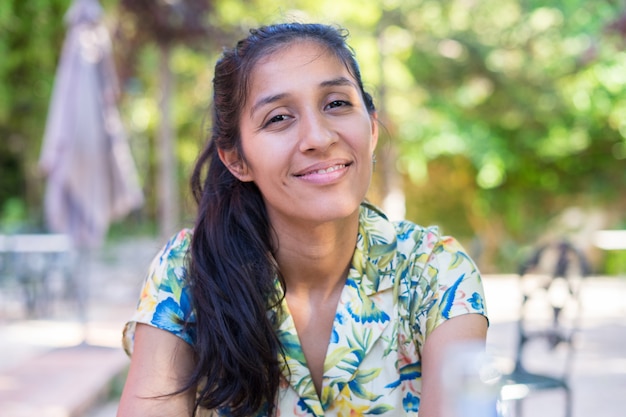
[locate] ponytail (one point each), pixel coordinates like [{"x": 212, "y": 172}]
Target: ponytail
[{"x": 233, "y": 284}]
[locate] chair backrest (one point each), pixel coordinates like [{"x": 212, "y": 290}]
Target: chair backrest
[
  {"x": 550, "y": 282},
  {"x": 33, "y": 265},
  {"x": 24, "y": 253}
]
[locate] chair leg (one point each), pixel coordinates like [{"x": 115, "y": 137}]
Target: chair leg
[
  {"x": 518, "y": 407},
  {"x": 568, "y": 402},
  {"x": 504, "y": 408}
]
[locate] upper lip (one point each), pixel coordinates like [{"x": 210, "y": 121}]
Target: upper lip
[{"x": 322, "y": 166}]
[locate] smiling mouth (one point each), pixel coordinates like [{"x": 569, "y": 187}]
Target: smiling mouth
[{"x": 323, "y": 171}]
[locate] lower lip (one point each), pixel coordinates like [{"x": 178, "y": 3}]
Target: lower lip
[{"x": 325, "y": 178}]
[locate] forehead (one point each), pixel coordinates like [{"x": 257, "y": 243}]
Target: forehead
[
  {"x": 293, "y": 59},
  {"x": 302, "y": 47}
]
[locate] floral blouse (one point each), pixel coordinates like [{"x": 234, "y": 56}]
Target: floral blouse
[{"x": 404, "y": 281}]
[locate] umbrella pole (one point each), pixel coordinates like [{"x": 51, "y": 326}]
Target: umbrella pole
[{"x": 82, "y": 291}]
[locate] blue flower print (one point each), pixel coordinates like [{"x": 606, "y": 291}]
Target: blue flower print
[
  {"x": 411, "y": 402},
  {"x": 410, "y": 372},
  {"x": 476, "y": 300},
  {"x": 368, "y": 313},
  {"x": 169, "y": 316}
]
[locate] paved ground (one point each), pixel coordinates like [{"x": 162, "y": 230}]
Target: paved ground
[
  {"x": 67, "y": 364},
  {"x": 67, "y": 351}
]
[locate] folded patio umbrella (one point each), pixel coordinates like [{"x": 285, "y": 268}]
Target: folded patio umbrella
[{"x": 91, "y": 177}]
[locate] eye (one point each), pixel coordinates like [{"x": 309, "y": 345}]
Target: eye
[
  {"x": 337, "y": 103},
  {"x": 276, "y": 119}
]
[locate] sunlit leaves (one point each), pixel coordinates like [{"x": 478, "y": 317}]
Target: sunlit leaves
[
  {"x": 530, "y": 95},
  {"x": 562, "y": 141}
]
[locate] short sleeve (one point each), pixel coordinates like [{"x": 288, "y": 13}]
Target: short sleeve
[
  {"x": 454, "y": 283},
  {"x": 165, "y": 299}
]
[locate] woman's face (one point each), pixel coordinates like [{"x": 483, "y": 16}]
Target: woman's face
[{"x": 307, "y": 136}]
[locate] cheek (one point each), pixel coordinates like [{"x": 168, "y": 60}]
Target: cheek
[
  {"x": 364, "y": 139},
  {"x": 360, "y": 130},
  {"x": 264, "y": 157}
]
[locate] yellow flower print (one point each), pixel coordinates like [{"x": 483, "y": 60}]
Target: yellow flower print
[{"x": 344, "y": 407}]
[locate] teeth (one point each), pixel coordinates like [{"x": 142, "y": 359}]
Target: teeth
[{"x": 330, "y": 169}]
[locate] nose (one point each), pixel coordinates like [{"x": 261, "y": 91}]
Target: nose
[{"x": 316, "y": 132}]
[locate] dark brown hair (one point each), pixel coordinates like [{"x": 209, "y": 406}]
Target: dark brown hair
[{"x": 232, "y": 267}]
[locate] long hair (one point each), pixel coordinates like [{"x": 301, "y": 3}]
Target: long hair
[{"x": 233, "y": 271}]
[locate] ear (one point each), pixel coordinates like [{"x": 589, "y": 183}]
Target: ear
[
  {"x": 235, "y": 164},
  {"x": 374, "y": 123}
]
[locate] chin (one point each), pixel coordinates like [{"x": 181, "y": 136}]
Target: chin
[{"x": 333, "y": 211}]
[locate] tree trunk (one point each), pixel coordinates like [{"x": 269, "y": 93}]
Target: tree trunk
[{"x": 168, "y": 198}]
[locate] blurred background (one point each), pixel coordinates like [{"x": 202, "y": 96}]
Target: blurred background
[{"x": 504, "y": 122}]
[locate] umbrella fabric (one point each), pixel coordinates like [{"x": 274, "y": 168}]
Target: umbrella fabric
[{"x": 91, "y": 176}]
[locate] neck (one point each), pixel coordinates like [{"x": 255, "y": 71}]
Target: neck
[{"x": 314, "y": 259}]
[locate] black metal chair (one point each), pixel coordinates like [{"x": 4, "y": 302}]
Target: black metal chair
[{"x": 550, "y": 281}]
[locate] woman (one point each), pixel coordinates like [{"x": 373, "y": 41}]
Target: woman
[{"x": 292, "y": 295}]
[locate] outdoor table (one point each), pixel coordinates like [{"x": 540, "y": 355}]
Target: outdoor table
[{"x": 30, "y": 261}]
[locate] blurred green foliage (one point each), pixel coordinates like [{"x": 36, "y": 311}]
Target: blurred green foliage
[
  {"x": 30, "y": 35},
  {"x": 504, "y": 113}
]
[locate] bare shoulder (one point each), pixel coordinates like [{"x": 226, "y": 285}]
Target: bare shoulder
[
  {"x": 460, "y": 328},
  {"x": 160, "y": 366}
]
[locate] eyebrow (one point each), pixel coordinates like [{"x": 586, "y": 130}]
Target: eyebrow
[
  {"x": 266, "y": 100},
  {"x": 335, "y": 82},
  {"x": 339, "y": 81}
]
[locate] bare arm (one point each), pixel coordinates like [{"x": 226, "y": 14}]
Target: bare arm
[
  {"x": 160, "y": 364},
  {"x": 457, "y": 329}
]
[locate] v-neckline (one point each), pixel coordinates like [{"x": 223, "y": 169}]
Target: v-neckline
[{"x": 371, "y": 271}]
